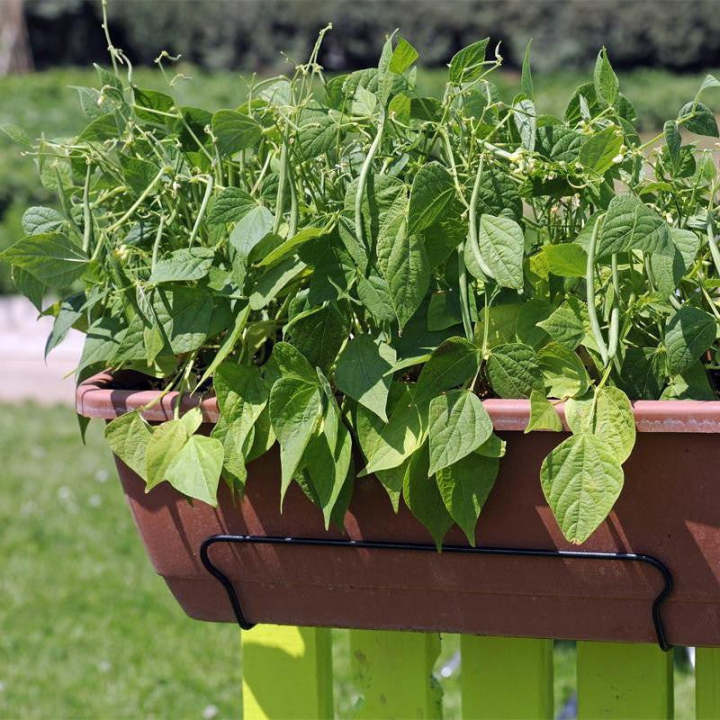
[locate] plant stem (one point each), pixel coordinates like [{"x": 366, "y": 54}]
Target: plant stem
[
  {"x": 364, "y": 171},
  {"x": 139, "y": 201},
  {"x": 280, "y": 198},
  {"x": 87, "y": 216},
  {"x": 590, "y": 288},
  {"x": 203, "y": 207}
]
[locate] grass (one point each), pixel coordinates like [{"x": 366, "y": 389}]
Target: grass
[{"x": 87, "y": 630}]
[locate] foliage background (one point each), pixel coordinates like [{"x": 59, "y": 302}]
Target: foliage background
[{"x": 252, "y": 34}]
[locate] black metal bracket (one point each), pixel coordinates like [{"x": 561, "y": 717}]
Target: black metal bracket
[{"x": 422, "y": 547}]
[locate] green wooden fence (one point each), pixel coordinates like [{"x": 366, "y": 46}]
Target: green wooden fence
[{"x": 288, "y": 673}]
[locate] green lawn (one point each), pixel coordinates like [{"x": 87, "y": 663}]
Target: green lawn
[{"x": 86, "y": 628}]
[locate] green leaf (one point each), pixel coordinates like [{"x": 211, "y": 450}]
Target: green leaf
[
  {"x": 41, "y": 220},
  {"x": 192, "y": 420},
  {"x": 641, "y": 373},
  {"x": 513, "y": 370},
  {"x": 565, "y": 325},
  {"x": 183, "y": 265},
  {"x": 295, "y": 410},
  {"x": 291, "y": 245},
  {"x": 525, "y": 116},
  {"x": 502, "y": 246},
  {"x": 50, "y": 258},
  {"x": 166, "y": 441},
  {"x": 195, "y": 471},
  {"x": 128, "y": 436},
  {"x": 609, "y": 417},
  {"x": 467, "y": 64},
  {"x": 581, "y": 480},
  {"x": 687, "y": 243},
  {"x": 369, "y": 427},
  {"x": 291, "y": 362},
  {"x": 29, "y": 286},
  {"x": 701, "y": 119},
  {"x": 319, "y": 133},
  {"x": 693, "y": 384},
  {"x": 234, "y": 442},
  {"x": 104, "y": 127},
  {"x": 667, "y": 271},
  {"x": 364, "y": 102},
  {"x": 543, "y": 415},
  {"x": 328, "y": 457},
  {"x": 242, "y": 396},
  {"x": 564, "y": 374},
  {"x": 458, "y": 424},
  {"x": 234, "y": 131},
  {"x": 252, "y": 227},
  {"x": 464, "y": 488},
  {"x": 689, "y": 333},
  {"x": 362, "y": 372},
  {"x": 632, "y": 225},
  {"x": 71, "y": 310},
  {"x": 565, "y": 260},
  {"x": 559, "y": 143},
  {"x": 319, "y": 334},
  {"x": 605, "y": 80},
  {"x": 404, "y": 55},
  {"x": 229, "y": 342},
  {"x": 599, "y": 150},
  {"x": 402, "y": 436},
  {"x": 404, "y": 264},
  {"x": 673, "y": 141},
  {"x": 526, "y": 81},
  {"x": 431, "y": 191},
  {"x": 274, "y": 281},
  {"x": 423, "y": 498},
  {"x": 453, "y": 363},
  {"x": 185, "y": 314},
  {"x": 229, "y": 206},
  {"x": 493, "y": 447},
  {"x": 16, "y": 134}
]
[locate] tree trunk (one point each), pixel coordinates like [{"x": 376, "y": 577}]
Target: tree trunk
[{"x": 15, "y": 55}]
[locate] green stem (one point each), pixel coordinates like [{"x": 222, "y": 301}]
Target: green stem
[
  {"x": 364, "y": 171},
  {"x": 87, "y": 216},
  {"x": 203, "y": 207},
  {"x": 139, "y": 201},
  {"x": 714, "y": 252},
  {"x": 156, "y": 244},
  {"x": 282, "y": 177},
  {"x": 590, "y": 287}
]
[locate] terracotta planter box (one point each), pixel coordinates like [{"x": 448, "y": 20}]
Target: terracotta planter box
[{"x": 670, "y": 509}]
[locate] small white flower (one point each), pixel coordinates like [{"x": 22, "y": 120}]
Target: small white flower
[
  {"x": 618, "y": 159},
  {"x": 516, "y": 156},
  {"x": 210, "y": 712}
]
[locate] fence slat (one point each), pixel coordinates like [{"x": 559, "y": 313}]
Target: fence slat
[
  {"x": 506, "y": 678},
  {"x": 393, "y": 673},
  {"x": 287, "y": 673},
  {"x": 707, "y": 683},
  {"x": 617, "y": 680}
]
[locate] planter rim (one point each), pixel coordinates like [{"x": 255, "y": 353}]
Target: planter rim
[{"x": 96, "y": 398}]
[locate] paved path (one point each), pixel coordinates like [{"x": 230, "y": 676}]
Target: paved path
[{"x": 24, "y": 374}]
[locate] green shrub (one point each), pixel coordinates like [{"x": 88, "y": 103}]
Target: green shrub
[{"x": 354, "y": 265}]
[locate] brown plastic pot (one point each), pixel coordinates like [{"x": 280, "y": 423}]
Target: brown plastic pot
[{"x": 669, "y": 508}]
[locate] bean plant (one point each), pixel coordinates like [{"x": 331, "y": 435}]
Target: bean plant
[{"x": 351, "y": 268}]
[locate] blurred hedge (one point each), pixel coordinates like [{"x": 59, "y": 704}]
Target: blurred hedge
[{"x": 253, "y": 34}]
